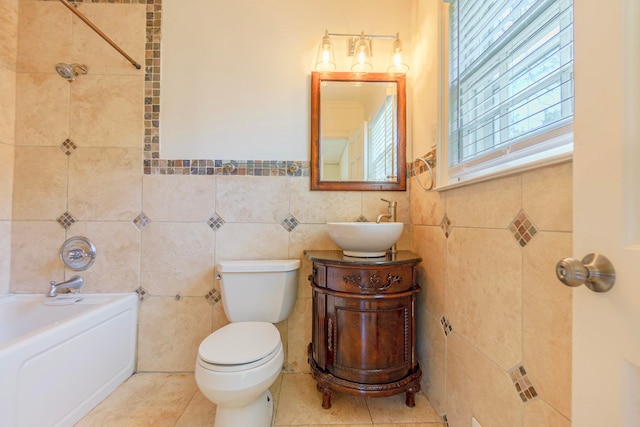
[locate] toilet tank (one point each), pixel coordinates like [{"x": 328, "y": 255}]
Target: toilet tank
[{"x": 258, "y": 290}]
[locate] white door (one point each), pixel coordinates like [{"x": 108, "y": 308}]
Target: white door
[{"x": 606, "y": 326}]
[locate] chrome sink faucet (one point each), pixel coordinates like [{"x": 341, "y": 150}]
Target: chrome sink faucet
[
  {"x": 74, "y": 283},
  {"x": 391, "y": 216}
]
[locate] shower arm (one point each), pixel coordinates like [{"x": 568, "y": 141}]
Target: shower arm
[{"x": 86, "y": 20}]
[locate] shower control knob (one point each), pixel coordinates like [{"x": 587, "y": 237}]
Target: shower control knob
[{"x": 595, "y": 271}]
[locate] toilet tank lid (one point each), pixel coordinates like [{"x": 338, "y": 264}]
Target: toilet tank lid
[{"x": 242, "y": 266}]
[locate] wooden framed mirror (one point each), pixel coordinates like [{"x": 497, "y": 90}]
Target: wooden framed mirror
[{"x": 358, "y": 132}]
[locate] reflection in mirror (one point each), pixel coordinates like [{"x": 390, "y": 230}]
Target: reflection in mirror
[{"x": 358, "y": 132}]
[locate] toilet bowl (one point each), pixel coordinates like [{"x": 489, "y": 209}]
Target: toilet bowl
[{"x": 238, "y": 363}]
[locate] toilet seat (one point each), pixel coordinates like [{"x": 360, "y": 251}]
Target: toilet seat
[{"x": 240, "y": 346}]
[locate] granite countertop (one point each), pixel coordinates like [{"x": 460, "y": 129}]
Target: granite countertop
[{"x": 337, "y": 257}]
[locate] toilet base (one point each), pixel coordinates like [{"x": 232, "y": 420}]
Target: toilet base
[{"x": 258, "y": 413}]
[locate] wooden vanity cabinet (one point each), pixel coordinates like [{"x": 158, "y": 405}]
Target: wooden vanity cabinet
[{"x": 363, "y": 332}]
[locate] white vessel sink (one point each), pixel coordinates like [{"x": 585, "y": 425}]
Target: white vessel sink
[{"x": 364, "y": 239}]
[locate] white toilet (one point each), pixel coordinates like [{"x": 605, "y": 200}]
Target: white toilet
[{"x": 238, "y": 363}]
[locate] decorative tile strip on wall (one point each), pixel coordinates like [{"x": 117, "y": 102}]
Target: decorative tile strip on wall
[
  {"x": 289, "y": 223},
  {"x": 446, "y": 326},
  {"x": 66, "y": 220},
  {"x": 141, "y": 221},
  {"x": 215, "y": 222},
  {"x": 213, "y": 296},
  {"x": 142, "y": 294},
  {"x": 68, "y": 147},
  {"x": 523, "y": 229},
  {"x": 445, "y": 224},
  {"x": 523, "y": 385}
]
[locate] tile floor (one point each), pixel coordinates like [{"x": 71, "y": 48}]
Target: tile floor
[{"x": 173, "y": 400}]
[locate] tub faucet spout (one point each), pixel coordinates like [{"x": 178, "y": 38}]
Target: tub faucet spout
[{"x": 74, "y": 283}]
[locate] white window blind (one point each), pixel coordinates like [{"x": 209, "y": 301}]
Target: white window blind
[
  {"x": 383, "y": 142},
  {"x": 510, "y": 81}
]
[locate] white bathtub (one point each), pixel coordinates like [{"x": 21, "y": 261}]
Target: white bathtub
[{"x": 58, "y": 362}]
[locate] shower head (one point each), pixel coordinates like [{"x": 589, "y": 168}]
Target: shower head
[{"x": 71, "y": 71}]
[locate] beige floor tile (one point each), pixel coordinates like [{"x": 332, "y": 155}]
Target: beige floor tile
[
  {"x": 301, "y": 404},
  {"x": 144, "y": 400},
  {"x": 393, "y": 410},
  {"x": 200, "y": 413}
]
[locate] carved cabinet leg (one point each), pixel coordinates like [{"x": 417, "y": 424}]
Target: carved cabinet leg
[
  {"x": 326, "y": 396},
  {"x": 411, "y": 397}
]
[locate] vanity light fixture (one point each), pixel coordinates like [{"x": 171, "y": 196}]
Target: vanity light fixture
[
  {"x": 325, "y": 59},
  {"x": 359, "y": 47}
]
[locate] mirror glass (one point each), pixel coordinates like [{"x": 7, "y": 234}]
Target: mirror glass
[{"x": 358, "y": 139}]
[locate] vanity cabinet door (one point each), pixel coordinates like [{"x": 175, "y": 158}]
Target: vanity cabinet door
[{"x": 369, "y": 341}]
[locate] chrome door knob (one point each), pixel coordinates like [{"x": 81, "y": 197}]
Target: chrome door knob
[{"x": 595, "y": 271}]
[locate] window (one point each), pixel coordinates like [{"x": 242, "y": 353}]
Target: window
[
  {"x": 383, "y": 142},
  {"x": 510, "y": 83}
]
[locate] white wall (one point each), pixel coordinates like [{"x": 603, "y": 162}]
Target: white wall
[{"x": 260, "y": 56}]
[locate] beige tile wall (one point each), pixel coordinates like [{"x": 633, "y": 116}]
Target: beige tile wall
[
  {"x": 102, "y": 186},
  {"x": 502, "y": 300},
  {"x": 8, "y": 54}
]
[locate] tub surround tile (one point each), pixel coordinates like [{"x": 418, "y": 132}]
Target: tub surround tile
[
  {"x": 121, "y": 22},
  {"x": 178, "y": 198},
  {"x": 177, "y": 258},
  {"x": 252, "y": 199},
  {"x": 120, "y": 98},
  {"x": 117, "y": 264},
  {"x": 40, "y": 183},
  {"x": 39, "y": 21},
  {"x": 547, "y": 197},
  {"x": 490, "y": 204},
  {"x": 35, "y": 246},
  {"x": 42, "y": 107},
  {"x": 105, "y": 184},
  {"x": 484, "y": 294},
  {"x": 170, "y": 332}
]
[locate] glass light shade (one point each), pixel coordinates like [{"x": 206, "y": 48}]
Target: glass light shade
[
  {"x": 362, "y": 56},
  {"x": 325, "y": 59},
  {"x": 396, "y": 66}
]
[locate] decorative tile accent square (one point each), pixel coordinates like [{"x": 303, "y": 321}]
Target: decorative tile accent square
[
  {"x": 362, "y": 218},
  {"x": 66, "y": 220},
  {"x": 289, "y": 223},
  {"x": 215, "y": 222},
  {"x": 68, "y": 147},
  {"x": 141, "y": 221},
  {"x": 213, "y": 296},
  {"x": 445, "y": 224},
  {"x": 523, "y": 229},
  {"x": 142, "y": 294},
  {"x": 446, "y": 326},
  {"x": 523, "y": 385}
]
